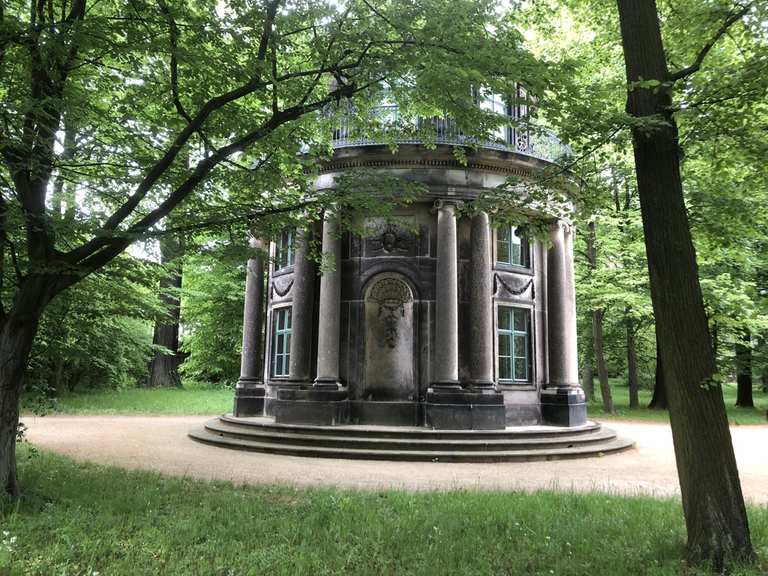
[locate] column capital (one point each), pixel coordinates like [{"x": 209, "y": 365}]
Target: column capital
[
  {"x": 443, "y": 203},
  {"x": 256, "y": 242},
  {"x": 562, "y": 224}
]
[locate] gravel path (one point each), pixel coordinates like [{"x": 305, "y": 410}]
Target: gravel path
[{"x": 160, "y": 443}]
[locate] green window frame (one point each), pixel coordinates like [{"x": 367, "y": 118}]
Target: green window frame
[
  {"x": 513, "y": 333},
  {"x": 281, "y": 341},
  {"x": 512, "y": 247},
  {"x": 285, "y": 253}
]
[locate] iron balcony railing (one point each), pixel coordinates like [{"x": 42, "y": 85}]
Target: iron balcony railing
[{"x": 522, "y": 139}]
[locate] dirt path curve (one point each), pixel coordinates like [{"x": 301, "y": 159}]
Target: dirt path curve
[{"x": 160, "y": 443}]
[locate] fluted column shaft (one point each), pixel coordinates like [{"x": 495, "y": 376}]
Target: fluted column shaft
[
  {"x": 480, "y": 304},
  {"x": 301, "y": 310},
  {"x": 253, "y": 316},
  {"x": 329, "y": 308},
  {"x": 561, "y": 309},
  {"x": 446, "y": 366}
]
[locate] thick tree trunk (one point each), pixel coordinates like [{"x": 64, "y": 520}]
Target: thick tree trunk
[
  {"x": 659, "y": 398},
  {"x": 602, "y": 369},
  {"x": 17, "y": 333},
  {"x": 713, "y": 503},
  {"x": 744, "y": 372},
  {"x": 164, "y": 367},
  {"x": 634, "y": 401}
]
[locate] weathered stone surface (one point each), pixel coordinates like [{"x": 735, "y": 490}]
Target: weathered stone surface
[
  {"x": 329, "y": 312},
  {"x": 434, "y": 325},
  {"x": 302, "y": 306},
  {"x": 389, "y": 340}
]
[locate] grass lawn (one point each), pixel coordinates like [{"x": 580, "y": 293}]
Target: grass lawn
[
  {"x": 83, "y": 519},
  {"x": 142, "y": 401},
  {"x": 620, "y": 393}
]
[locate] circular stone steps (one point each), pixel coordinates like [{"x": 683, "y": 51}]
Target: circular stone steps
[{"x": 410, "y": 443}]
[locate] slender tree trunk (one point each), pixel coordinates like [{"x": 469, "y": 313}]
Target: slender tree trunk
[
  {"x": 164, "y": 367},
  {"x": 588, "y": 379},
  {"x": 659, "y": 398},
  {"x": 716, "y": 519},
  {"x": 744, "y": 372},
  {"x": 634, "y": 401},
  {"x": 602, "y": 369}
]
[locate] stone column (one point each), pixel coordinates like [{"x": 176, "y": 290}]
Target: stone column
[
  {"x": 330, "y": 309},
  {"x": 480, "y": 304},
  {"x": 562, "y": 401},
  {"x": 301, "y": 310},
  {"x": 446, "y": 358},
  {"x": 249, "y": 392}
]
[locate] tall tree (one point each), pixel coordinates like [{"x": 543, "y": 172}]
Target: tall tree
[
  {"x": 164, "y": 367},
  {"x": 744, "y": 371},
  {"x": 713, "y": 503},
  {"x": 235, "y": 88}
]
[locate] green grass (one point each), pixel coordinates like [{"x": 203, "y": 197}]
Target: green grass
[
  {"x": 79, "y": 519},
  {"x": 620, "y": 393},
  {"x": 142, "y": 401}
]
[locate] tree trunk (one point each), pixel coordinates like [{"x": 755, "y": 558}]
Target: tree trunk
[
  {"x": 713, "y": 503},
  {"x": 164, "y": 367},
  {"x": 602, "y": 369},
  {"x": 744, "y": 372},
  {"x": 659, "y": 398},
  {"x": 588, "y": 379},
  {"x": 634, "y": 401},
  {"x": 17, "y": 333}
]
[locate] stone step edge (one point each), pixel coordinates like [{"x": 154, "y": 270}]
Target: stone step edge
[
  {"x": 615, "y": 445},
  {"x": 216, "y": 427},
  {"x": 402, "y": 431}
]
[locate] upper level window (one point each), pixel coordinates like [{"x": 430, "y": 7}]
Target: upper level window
[
  {"x": 513, "y": 331},
  {"x": 512, "y": 246},
  {"x": 281, "y": 341},
  {"x": 284, "y": 249}
]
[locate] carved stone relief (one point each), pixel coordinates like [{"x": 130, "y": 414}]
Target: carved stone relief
[
  {"x": 512, "y": 286},
  {"x": 390, "y": 239},
  {"x": 389, "y": 373}
]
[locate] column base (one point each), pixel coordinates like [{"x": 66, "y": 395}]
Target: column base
[
  {"x": 317, "y": 407},
  {"x": 479, "y": 385},
  {"x": 563, "y": 406},
  {"x": 249, "y": 398},
  {"x": 451, "y": 409},
  {"x": 327, "y": 384}
]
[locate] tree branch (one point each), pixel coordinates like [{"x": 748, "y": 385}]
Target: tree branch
[{"x": 693, "y": 68}]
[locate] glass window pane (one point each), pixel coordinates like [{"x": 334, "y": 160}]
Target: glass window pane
[
  {"x": 521, "y": 320},
  {"x": 521, "y": 342},
  {"x": 516, "y": 255},
  {"x": 504, "y": 319},
  {"x": 521, "y": 369},
  {"x": 504, "y": 369},
  {"x": 505, "y": 343}
]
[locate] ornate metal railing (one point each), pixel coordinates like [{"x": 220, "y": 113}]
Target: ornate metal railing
[{"x": 521, "y": 138}]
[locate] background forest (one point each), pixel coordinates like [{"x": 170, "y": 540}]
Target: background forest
[{"x": 105, "y": 331}]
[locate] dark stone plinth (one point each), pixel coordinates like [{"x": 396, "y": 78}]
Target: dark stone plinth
[
  {"x": 563, "y": 406},
  {"x": 465, "y": 410},
  {"x": 523, "y": 414},
  {"x": 385, "y": 413},
  {"x": 249, "y": 398},
  {"x": 311, "y": 406}
]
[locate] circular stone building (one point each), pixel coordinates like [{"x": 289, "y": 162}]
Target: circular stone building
[{"x": 430, "y": 322}]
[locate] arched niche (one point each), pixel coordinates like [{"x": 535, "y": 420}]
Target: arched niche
[{"x": 389, "y": 340}]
